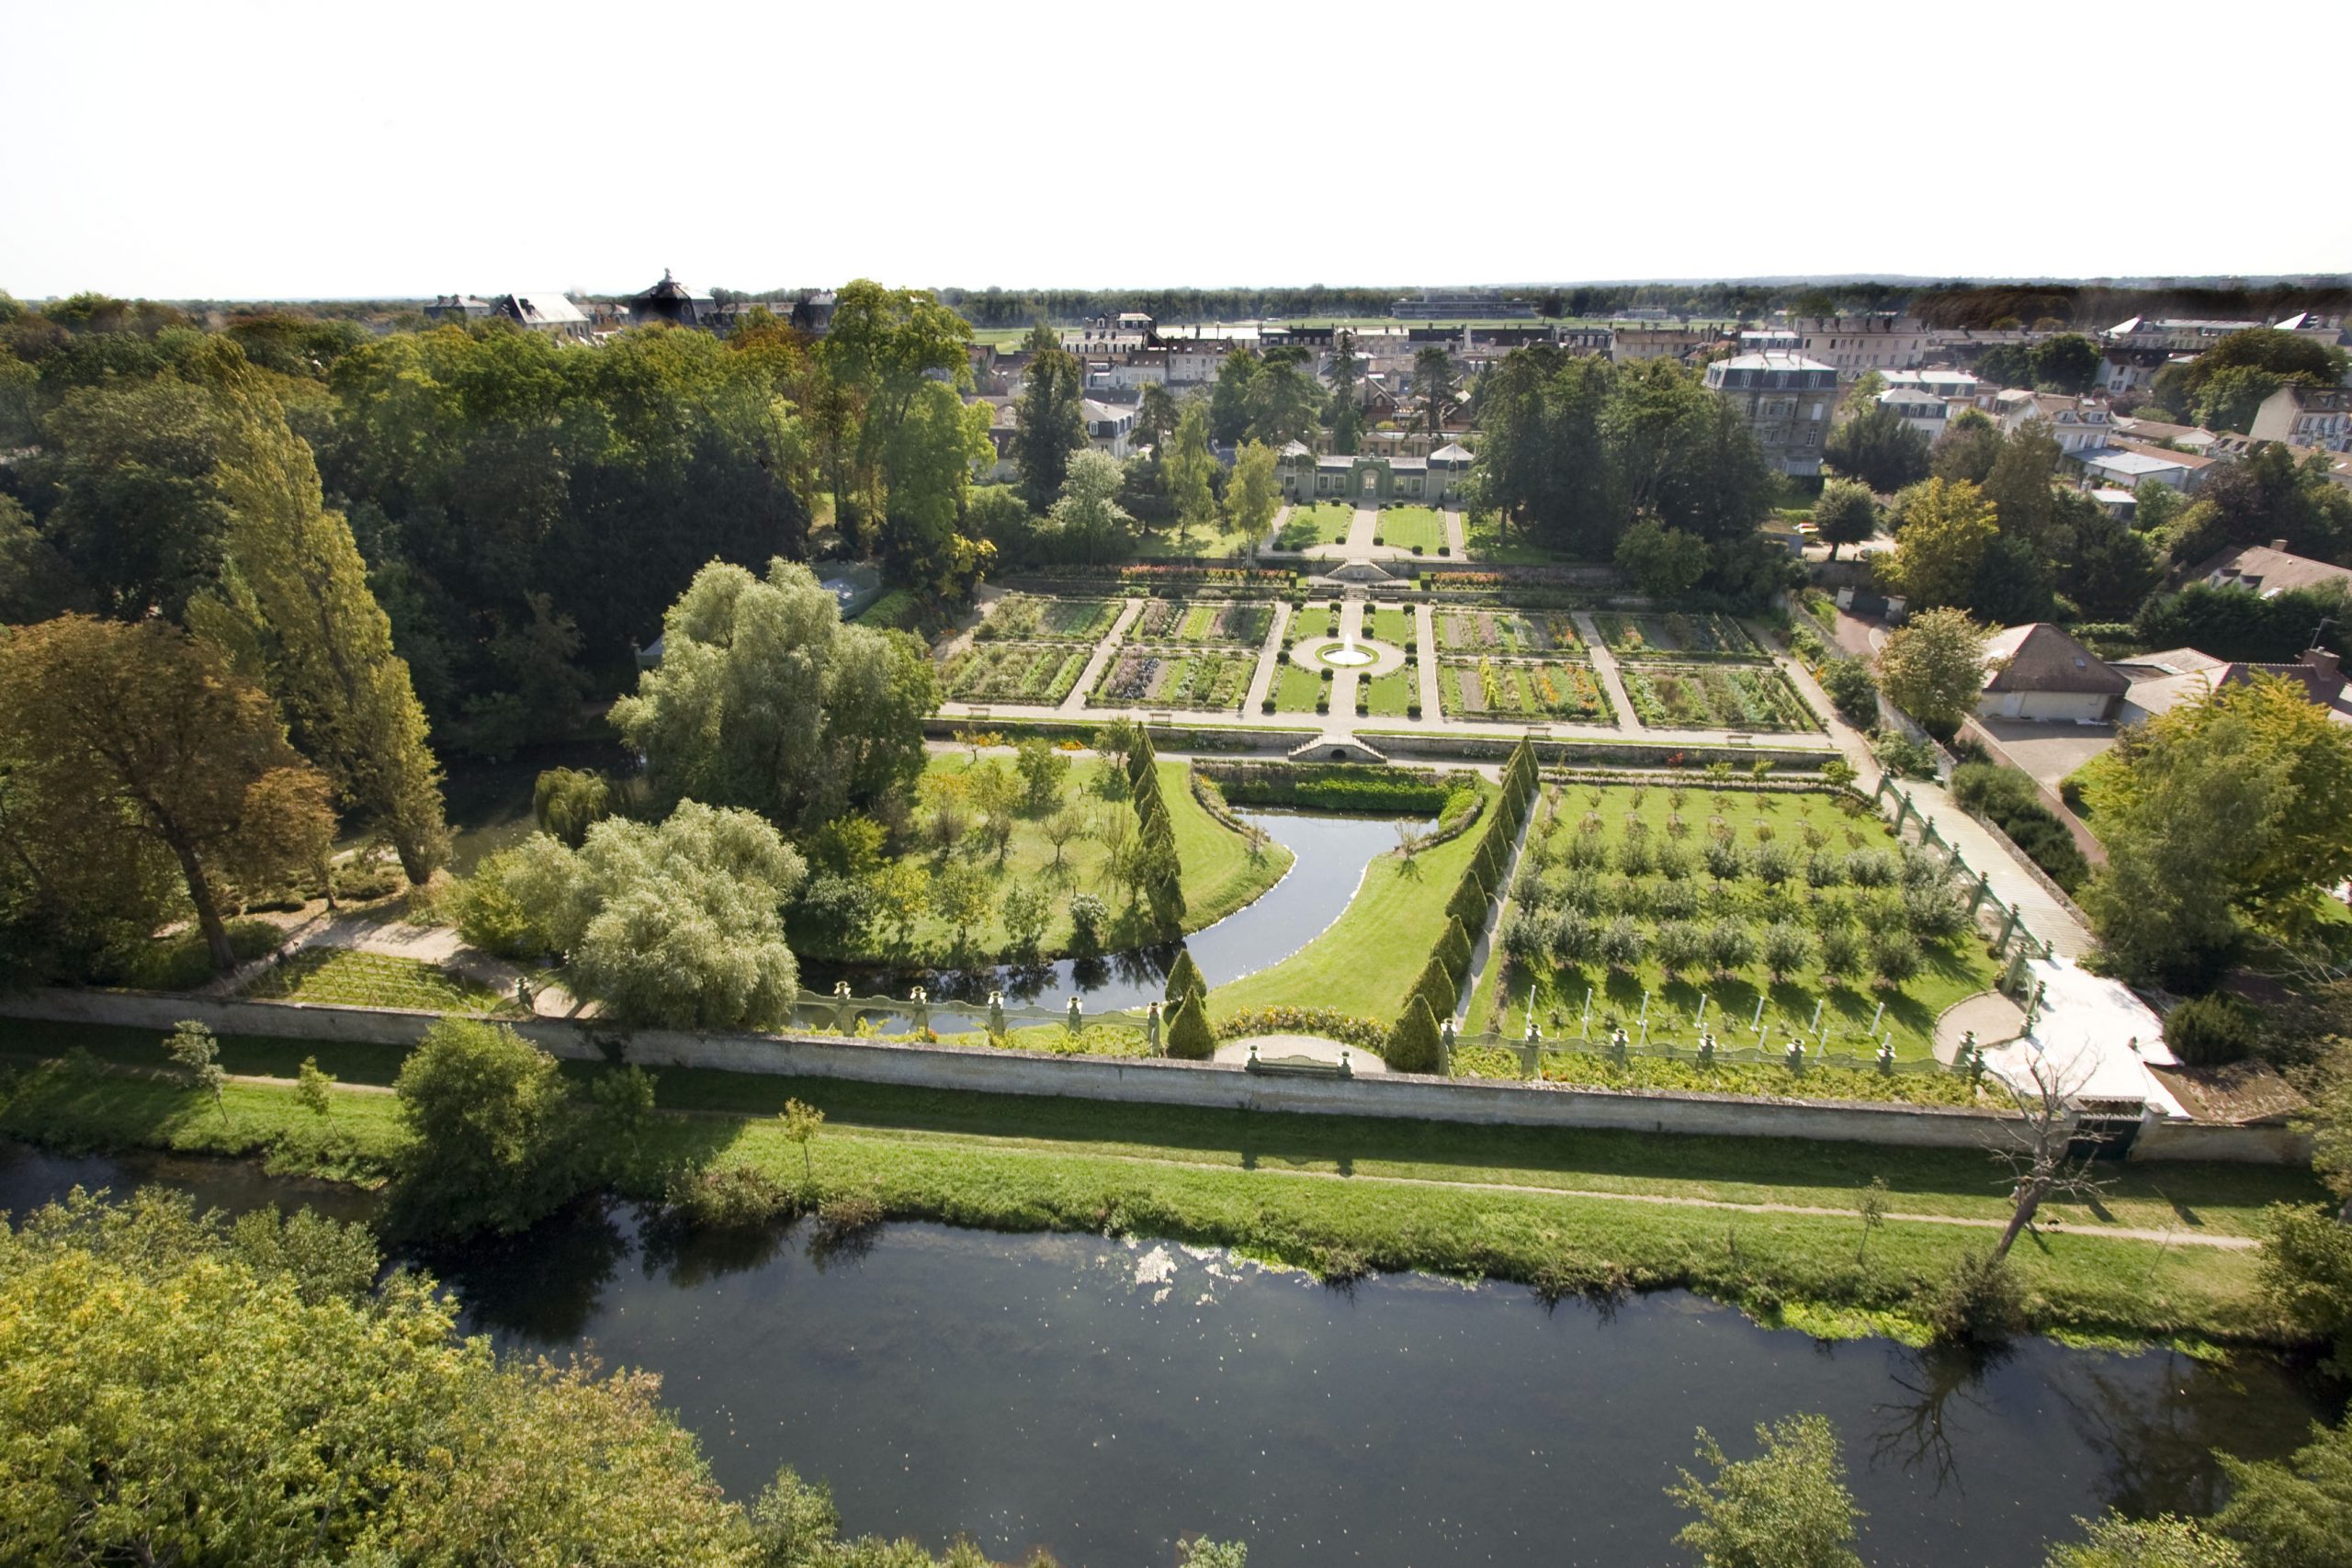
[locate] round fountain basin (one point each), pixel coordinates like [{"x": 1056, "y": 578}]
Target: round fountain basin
[{"x": 1348, "y": 658}]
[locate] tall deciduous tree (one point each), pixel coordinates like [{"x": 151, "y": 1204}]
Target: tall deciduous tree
[
  {"x": 1190, "y": 468},
  {"x": 1230, "y": 403},
  {"x": 1432, "y": 383},
  {"x": 114, "y": 737},
  {"x": 1933, "y": 667},
  {"x": 1846, "y": 513},
  {"x": 1946, "y": 529},
  {"x": 1088, "y": 521},
  {"x": 764, "y": 699},
  {"x": 1254, "y": 495},
  {"x": 1879, "y": 447},
  {"x": 1049, "y": 424},
  {"x": 302, "y": 594}
]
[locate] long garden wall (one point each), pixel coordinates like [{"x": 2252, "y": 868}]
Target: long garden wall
[{"x": 1213, "y": 1086}]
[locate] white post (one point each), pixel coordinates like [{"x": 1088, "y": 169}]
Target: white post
[
  {"x": 1756, "y": 1023},
  {"x": 1701, "y": 1022},
  {"x": 1815, "y": 1025},
  {"x": 1645, "y": 1010},
  {"x": 1876, "y": 1016},
  {"x": 1765, "y": 1042},
  {"x": 1584, "y": 1030}
]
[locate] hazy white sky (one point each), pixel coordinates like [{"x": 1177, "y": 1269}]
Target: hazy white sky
[{"x": 325, "y": 147}]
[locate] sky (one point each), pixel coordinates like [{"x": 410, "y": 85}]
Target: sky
[{"x": 256, "y": 149}]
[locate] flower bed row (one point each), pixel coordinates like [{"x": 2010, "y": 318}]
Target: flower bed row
[
  {"x": 1026, "y": 617},
  {"x": 1491, "y": 687},
  {"x": 1715, "y": 697},
  {"x": 1203, "y": 620},
  {"x": 1023, "y": 672},
  {"x": 1690, "y": 636},
  {"x": 1142, "y": 678}
]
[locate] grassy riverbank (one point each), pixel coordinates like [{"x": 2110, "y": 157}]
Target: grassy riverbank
[{"x": 1576, "y": 1208}]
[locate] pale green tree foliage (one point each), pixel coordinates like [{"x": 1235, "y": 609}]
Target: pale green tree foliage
[
  {"x": 2296, "y": 1513},
  {"x": 1253, "y": 494},
  {"x": 1947, "y": 526},
  {"x": 300, "y": 594},
  {"x": 674, "y": 925},
  {"x": 494, "y": 1143},
  {"x": 195, "y": 1052},
  {"x": 1187, "y": 468},
  {"x": 1087, "y": 517},
  {"x": 1933, "y": 669},
  {"x": 2113, "y": 1541},
  {"x": 1847, "y": 514},
  {"x": 1787, "y": 1507},
  {"x": 245, "y": 1397},
  {"x": 764, "y": 700}
]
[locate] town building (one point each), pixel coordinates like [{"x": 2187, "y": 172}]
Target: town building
[
  {"x": 2306, "y": 416},
  {"x": 2129, "y": 464},
  {"x": 1477, "y": 304},
  {"x": 1368, "y": 479},
  {"x": 2122, "y": 370},
  {"x": 2270, "y": 570},
  {"x": 1109, "y": 426},
  {"x": 672, "y": 302},
  {"x": 1123, "y": 334},
  {"x": 2078, "y": 425},
  {"x": 1627, "y": 344},
  {"x": 2158, "y": 433},
  {"x": 2178, "y": 335},
  {"x": 2038, "y": 671},
  {"x": 1851, "y": 345},
  {"x": 2163, "y": 680},
  {"x": 1924, "y": 411},
  {"x": 551, "y": 313},
  {"x": 1942, "y": 380},
  {"x": 1786, "y": 400}
]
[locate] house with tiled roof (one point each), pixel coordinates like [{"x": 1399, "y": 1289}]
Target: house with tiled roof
[
  {"x": 2077, "y": 423},
  {"x": 2127, "y": 463},
  {"x": 2269, "y": 569},
  {"x": 2038, "y": 671},
  {"x": 2306, "y": 416}
]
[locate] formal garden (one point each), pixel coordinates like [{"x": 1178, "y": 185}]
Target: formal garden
[
  {"x": 1420, "y": 529},
  {"x": 1685, "y": 637},
  {"x": 338, "y": 976},
  {"x": 1755, "y": 915},
  {"x": 1015, "y": 671},
  {"x": 1030, "y": 617},
  {"x": 1195, "y": 620},
  {"x": 1319, "y": 522},
  {"x": 1476, "y": 631},
  {"x": 1726, "y": 697},
  {"x": 1523, "y": 688},
  {"x": 1161, "y": 676}
]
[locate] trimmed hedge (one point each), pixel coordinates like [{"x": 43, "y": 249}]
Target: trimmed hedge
[
  {"x": 1331, "y": 787},
  {"x": 1189, "y": 1038},
  {"x": 1413, "y": 1045},
  {"x": 2011, "y": 801}
]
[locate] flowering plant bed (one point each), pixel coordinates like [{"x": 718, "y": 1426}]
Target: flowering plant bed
[
  {"x": 1203, "y": 679},
  {"x": 1025, "y": 617},
  {"x": 1016, "y": 672},
  {"x": 1203, "y": 620},
  {"x": 1685, "y": 637},
  {"x": 1715, "y": 697},
  {"x": 1497, "y": 688}
]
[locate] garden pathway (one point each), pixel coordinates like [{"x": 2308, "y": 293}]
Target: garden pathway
[
  {"x": 1270, "y": 660},
  {"x": 1344, "y": 682},
  {"x": 1457, "y": 539},
  {"x": 1988, "y": 1015},
  {"x": 383, "y": 929},
  {"x": 1482, "y": 944},
  {"x": 1425, "y": 648},
  {"x": 1105, "y": 651},
  {"x": 1359, "y": 544},
  {"x": 1604, "y": 664},
  {"x": 2011, "y": 883},
  {"x": 1273, "y": 541}
]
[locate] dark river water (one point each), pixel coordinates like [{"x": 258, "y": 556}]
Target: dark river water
[
  {"x": 1331, "y": 853},
  {"x": 1100, "y": 1398}
]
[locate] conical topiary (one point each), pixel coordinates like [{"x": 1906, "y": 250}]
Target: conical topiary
[
  {"x": 1189, "y": 1038},
  {"x": 1413, "y": 1043},
  {"x": 1436, "y": 987},
  {"x": 1184, "y": 978},
  {"x": 1468, "y": 904},
  {"x": 1453, "y": 948}
]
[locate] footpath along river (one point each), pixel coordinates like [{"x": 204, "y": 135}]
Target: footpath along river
[{"x": 1100, "y": 1397}]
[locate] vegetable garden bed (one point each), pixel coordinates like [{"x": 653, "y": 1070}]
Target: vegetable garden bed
[
  {"x": 1203, "y": 620},
  {"x": 1166, "y": 678},
  {"x": 1715, "y": 697},
  {"x": 1498, "y": 688},
  {"x": 1027, "y": 617},
  {"x": 1016, "y": 672},
  {"x": 1504, "y": 631},
  {"x": 1683, "y": 636}
]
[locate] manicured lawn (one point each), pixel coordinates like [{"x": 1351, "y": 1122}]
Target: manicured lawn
[
  {"x": 1219, "y": 875},
  {"x": 1375, "y": 949},
  {"x": 1484, "y": 543},
  {"x": 343, "y": 977},
  {"x": 1548, "y": 1202},
  {"x": 1392, "y": 624},
  {"x": 1390, "y": 694},
  {"x": 1951, "y": 969},
  {"x": 1223, "y": 539},
  {"x": 1405, "y": 526},
  {"x": 1321, "y": 523},
  {"x": 1296, "y": 688}
]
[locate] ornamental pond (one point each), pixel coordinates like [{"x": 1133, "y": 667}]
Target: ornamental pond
[{"x": 1100, "y": 1398}]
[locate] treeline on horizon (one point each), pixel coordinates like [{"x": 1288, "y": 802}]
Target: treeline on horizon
[{"x": 1953, "y": 306}]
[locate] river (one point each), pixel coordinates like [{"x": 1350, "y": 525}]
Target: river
[{"x": 1100, "y": 1397}]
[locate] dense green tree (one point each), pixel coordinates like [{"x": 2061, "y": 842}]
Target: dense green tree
[
  {"x": 1050, "y": 424},
  {"x": 1231, "y": 402},
  {"x": 1433, "y": 384},
  {"x": 2296, "y": 1513},
  {"x": 1663, "y": 563},
  {"x": 2113, "y": 1541},
  {"x": 2266, "y": 495},
  {"x": 250, "y": 1396},
  {"x": 1286, "y": 403},
  {"x": 2020, "y": 488},
  {"x": 494, "y": 1139},
  {"x": 676, "y": 926},
  {"x": 1190, "y": 470},
  {"x": 2239, "y": 624},
  {"x": 1945, "y": 528},
  {"x": 1414, "y": 1045},
  {"x": 884, "y": 347},
  {"x": 2222, "y": 386},
  {"x": 1878, "y": 447},
  {"x": 1967, "y": 450},
  {"x": 1933, "y": 667},
  {"x": 1087, "y": 523},
  {"x": 136, "y": 512},
  {"x": 1156, "y": 416},
  {"x": 2109, "y": 569},
  {"x": 764, "y": 699},
  {"x": 1787, "y": 1507},
  {"x": 1846, "y": 513},
  {"x": 324, "y": 642},
  {"x": 36, "y": 579},
  {"x": 118, "y": 741},
  {"x": 1253, "y": 494},
  {"x": 2067, "y": 362}
]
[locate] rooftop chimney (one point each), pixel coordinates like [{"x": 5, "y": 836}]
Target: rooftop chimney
[
  {"x": 2278, "y": 545},
  {"x": 2330, "y": 667}
]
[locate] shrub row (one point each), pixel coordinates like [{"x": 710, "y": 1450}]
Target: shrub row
[
  {"x": 2011, "y": 801},
  {"x": 1364, "y": 1033},
  {"x": 1330, "y": 786}
]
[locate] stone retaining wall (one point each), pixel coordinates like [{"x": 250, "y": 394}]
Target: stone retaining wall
[{"x": 1215, "y": 1086}]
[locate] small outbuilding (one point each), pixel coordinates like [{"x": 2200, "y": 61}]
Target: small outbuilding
[{"x": 2038, "y": 671}]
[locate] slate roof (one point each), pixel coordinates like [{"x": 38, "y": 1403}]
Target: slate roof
[
  {"x": 2039, "y": 657},
  {"x": 2268, "y": 569}
]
